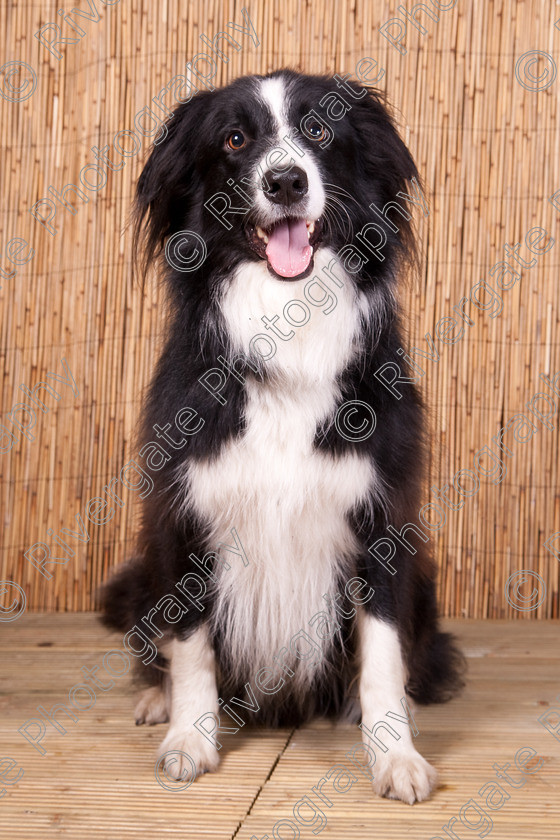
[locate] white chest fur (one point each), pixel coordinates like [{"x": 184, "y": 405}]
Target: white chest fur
[{"x": 287, "y": 501}]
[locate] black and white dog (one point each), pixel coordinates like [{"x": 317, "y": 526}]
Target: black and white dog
[{"x": 291, "y": 316}]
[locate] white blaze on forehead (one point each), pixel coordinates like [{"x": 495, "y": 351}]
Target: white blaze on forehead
[{"x": 274, "y": 95}]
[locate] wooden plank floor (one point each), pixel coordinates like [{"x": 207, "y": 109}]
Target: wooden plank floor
[{"x": 97, "y": 780}]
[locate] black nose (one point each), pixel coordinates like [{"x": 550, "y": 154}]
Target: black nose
[{"x": 286, "y": 188}]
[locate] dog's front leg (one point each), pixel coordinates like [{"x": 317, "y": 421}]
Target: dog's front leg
[
  {"x": 399, "y": 772},
  {"x": 192, "y": 673}
]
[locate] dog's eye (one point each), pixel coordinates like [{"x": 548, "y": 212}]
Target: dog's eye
[
  {"x": 236, "y": 140},
  {"x": 316, "y": 130}
]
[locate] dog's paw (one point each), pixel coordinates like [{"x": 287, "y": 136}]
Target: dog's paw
[
  {"x": 201, "y": 757},
  {"x": 152, "y": 707},
  {"x": 403, "y": 775}
]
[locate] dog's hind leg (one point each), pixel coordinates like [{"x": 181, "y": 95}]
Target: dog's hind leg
[{"x": 153, "y": 706}]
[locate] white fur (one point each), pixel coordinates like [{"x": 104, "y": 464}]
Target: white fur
[
  {"x": 153, "y": 706},
  {"x": 287, "y": 501},
  {"x": 401, "y": 772},
  {"x": 193, "y": 693},
  {"x": 320, "y": 349},
  {"x": 273, "y": 94}
]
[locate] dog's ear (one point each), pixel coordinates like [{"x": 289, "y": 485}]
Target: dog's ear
[
  {"x": 168, "y": 182},
  {"x": 384, "y": 158}
]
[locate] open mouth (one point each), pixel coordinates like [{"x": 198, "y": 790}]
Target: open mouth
[{"x": 287, "y": 246}]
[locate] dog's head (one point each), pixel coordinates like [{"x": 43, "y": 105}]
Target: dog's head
[{"x": 272, "y": 168}]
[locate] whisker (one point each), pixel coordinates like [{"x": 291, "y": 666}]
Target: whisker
[
  {"x": 342, "y": 191},
  {"x": 336, "y": 206}
]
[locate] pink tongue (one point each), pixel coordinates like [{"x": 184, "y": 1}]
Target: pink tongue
[{"x": 288, "y": 249}]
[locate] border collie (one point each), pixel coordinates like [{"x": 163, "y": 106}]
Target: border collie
[{"x": 276, "y": 324}]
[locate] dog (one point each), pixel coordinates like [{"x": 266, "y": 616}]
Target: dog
[{"x": 270, "y": 179}]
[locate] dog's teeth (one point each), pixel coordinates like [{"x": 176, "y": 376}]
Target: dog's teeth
[
  {"x": 310, "y": 227},
  {"x": 262, "y": 235}
]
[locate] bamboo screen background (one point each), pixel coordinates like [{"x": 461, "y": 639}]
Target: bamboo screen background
[{"x": 488, "y": 150}]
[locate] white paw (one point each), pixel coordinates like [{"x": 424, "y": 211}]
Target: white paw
[
  {"x": 152, "y": 707},
  {"x": 403, "y": 775},
  {"x": 201, "y": 757}
]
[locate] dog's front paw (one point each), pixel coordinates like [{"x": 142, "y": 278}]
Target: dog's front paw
[
  {"x": 404, "y": 775},
  {"x": 187, "y": 754}
]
